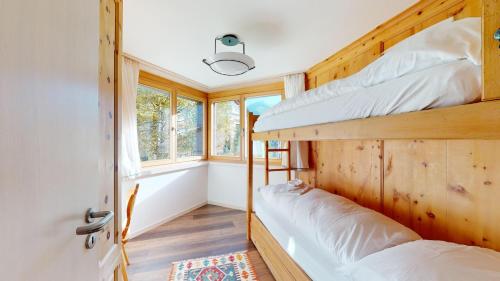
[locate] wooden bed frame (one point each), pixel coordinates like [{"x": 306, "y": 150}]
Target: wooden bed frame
[{"x": 436, "y": 171}]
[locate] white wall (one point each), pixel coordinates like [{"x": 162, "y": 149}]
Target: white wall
[
  {"x": 163, "y": 197},
  {"x": 227, "y": 183}
]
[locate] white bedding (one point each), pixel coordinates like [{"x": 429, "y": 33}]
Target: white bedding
[
  {"x": 449, "y": 84},
  {"x": 312, "y": 259},
  {"x": 430, "y": 261},
  {"x": 342, "y": 229}
]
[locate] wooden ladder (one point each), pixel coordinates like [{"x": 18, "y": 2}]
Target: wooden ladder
[{"x": 288, "y": 169}]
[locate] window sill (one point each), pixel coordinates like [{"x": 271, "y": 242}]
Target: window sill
[
  {"x": 257, "y": 161},
  {"x": 153, "y": 171},
  {"x": 241, "y": 164}
]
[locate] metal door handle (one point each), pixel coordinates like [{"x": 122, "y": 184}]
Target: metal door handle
[
  {"x": 93, "y": 227},
  {"x": 97, "y": 226}
]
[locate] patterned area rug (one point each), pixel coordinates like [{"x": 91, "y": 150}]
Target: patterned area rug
[{"x": 229, "y": 267}]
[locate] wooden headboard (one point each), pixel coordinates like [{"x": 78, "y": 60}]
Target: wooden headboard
[{"x": 443, "y": 189}]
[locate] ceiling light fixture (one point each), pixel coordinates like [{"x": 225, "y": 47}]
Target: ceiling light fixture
[{"x": 230, "y": 63}]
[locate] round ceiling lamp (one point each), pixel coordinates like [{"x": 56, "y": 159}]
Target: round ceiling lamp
[{"x": 230, "y": 63}]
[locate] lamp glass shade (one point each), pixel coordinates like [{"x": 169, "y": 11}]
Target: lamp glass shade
[{"x": 230, "y": 63}]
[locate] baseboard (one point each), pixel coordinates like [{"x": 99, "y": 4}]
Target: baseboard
[
  {"x": 230, "y": 206},
  {"x": 170, "y": 218}
]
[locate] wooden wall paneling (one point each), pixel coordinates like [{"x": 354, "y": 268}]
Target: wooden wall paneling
[
  {"x": 445, "y": 189},
  {"x": 351, "y": 169},
  {"x": 491, "y": 50},
  {"x": 322, "y": 78},
  {"x": 472, "y": 9},
  {"x": 414, "y": 185},
  {"x": 396, "y": 38},
  {"x": 473, "y": 192}
]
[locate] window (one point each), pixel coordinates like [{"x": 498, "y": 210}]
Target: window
[
  {"x": 258, "y": 105},
  {"x": 189, "y": 128},
  {"x": 153, "y": 123},
  {"x": 226, "y": 133},
  {"x": 170, "y": 121}
]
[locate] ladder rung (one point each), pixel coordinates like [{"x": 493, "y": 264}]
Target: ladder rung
[
  {"x": 278, "y": 150},
  {"x": 278, "y": 170}
]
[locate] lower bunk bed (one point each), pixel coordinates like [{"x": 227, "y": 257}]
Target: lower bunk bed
[{"x": 340, "y": 240}]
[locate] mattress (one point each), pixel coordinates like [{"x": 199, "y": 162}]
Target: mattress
[
  {"x": 450, "y": 84},
  {"x": 313, "y": 260}
]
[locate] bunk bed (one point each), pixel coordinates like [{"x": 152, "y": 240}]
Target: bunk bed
[{"x": 433, "y": 171}]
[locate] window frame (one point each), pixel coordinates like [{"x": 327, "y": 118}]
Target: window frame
[
  {"x": 212, "y": 155},
  {"x": 204, "y": 153},
  {"x": 175, "y": 90},
  {"x": 242, "y": 158}
]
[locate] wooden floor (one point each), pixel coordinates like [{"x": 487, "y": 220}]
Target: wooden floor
[{"x": 207, "y": 231}]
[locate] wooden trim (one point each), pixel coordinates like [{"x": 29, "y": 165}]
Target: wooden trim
[
  {"x": 160, "y": 82},
  {"x": 117, "y": 182},
  {"x": 473, "y": 121},
  {"x": 277, "y": 87},
  {"x": 251, "y": 121},
  {"x": 266, "y": 162},
  {"x": 205, "y": 126},
  {"x": 240, "y": 94},
  {"x": 491, "y": 50},
  {"x": 211, "y": 155},
  {"x": 289, "y": 162},
  {"x": 282, "y": 266},
  {"x": 278, "y": 149},
  {"x": 279, "y": 170}
]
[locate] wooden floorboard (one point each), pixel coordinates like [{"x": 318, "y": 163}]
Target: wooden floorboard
[{"x": 207, "y": 231}]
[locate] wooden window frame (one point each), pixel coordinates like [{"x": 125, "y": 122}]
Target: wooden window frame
[
  {"x": 175, "y": 90},
  {"x": 242, "y": 158},
  {"x": 211, "y": 113},
  {"x": 204, "y": 153}
]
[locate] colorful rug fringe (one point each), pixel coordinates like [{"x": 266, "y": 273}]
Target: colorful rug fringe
[{"x": 229, "y": 267}]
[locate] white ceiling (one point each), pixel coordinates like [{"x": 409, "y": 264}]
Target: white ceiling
[{"x": 282, "y": 36}]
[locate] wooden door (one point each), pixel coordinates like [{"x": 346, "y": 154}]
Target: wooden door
[{"x": 58, "y": 92}]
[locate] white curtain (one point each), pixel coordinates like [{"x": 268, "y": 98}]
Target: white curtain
[
  {"x": 130, "y": 158},
  {"x": 299, "y": 150}
]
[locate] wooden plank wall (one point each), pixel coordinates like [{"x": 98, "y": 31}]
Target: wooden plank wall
[
  {"x": 443, "y": 189},
  {"x": 491, "y": 50}
]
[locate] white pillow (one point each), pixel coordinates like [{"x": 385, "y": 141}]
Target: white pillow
[
  {"x": 430, "y": 261},
  {"x": 444, "y": 42},
  {"x": 346, "y": 230}
]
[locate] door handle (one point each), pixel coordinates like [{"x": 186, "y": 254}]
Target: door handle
[{"x": 104, "y": 218}]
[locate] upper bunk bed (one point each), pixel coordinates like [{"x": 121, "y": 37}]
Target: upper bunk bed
[{"x": 386, "y": 85}]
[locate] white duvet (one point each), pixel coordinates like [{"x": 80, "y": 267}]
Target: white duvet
[
  {"x": 437, "y": 67},
  {"x": 430, "y": 261},
  {"x": 346, "y": 230},
  {"x": 450, "y": 84}
]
